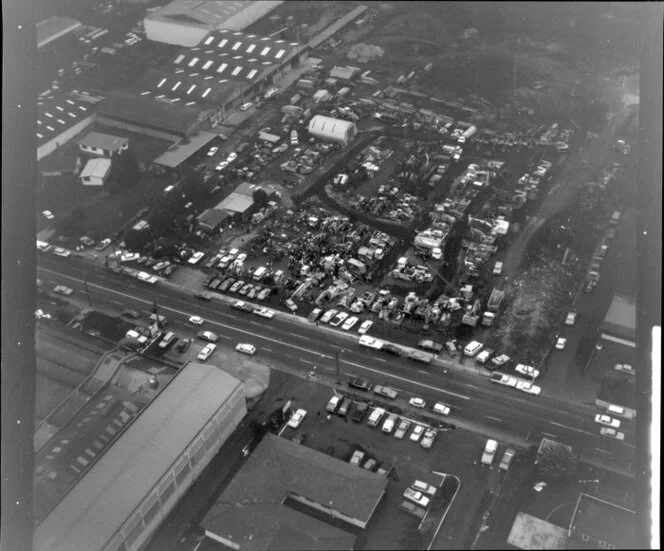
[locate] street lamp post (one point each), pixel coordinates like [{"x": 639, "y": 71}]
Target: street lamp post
[{"x": 337, "y": 357}]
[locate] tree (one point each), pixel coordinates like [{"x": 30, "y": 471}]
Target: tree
[
  {"x": 557, "y": 463},
  {"x": 260, "y": 197},
  {"x": 124, "y": 171},
  {"x": 137, "y": 240}
]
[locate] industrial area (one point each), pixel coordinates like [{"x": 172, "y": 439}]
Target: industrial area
[{"x": 336, "y": 275}]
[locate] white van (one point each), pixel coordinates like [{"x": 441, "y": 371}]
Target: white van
[
  {"x": 472, "y": 348},
  {"x": 616, "y": 410},
  {"x": 259, "y": 273}
]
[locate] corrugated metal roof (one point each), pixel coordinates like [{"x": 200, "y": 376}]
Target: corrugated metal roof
[
  {"x": 236, "y": 203},
  {"x": 103, "y": 141},
  {"x": 239, "y": 43},
  {"x": 96, "y": 508},
  {"x": 328, "y": 126},
  {"x": 210, "y": 13},
  {"x": 57, "y": 114},
  {"x": 97, "y": 168}
]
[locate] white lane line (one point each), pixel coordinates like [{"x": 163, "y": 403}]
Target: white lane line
[
  {"x": 267, "y": 349},
  {"x": 493, "y": 418},
  {"x": 549, "y": 434},
  {"x": 306, "y": 361},
  {"x": 298, "y": 336},
  {"x": 381, "y": 360},
  {"x": 255, "y": 323},
  {"x": 410, "y": 381},
  {"x": 423, "y": 371},
  {"x": 604, "y": 451},
  {"x": 572, "y": 428},
  {"x": 225, "y": 337}
]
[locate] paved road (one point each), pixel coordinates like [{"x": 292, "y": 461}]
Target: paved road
[{"x": 295, "y": 345}]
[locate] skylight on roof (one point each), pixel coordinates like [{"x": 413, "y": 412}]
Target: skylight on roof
[
  {"x": 236, "y": 71},
  {"x": 237, "y": 57},
  {"x": 59, "y": 108},
  {"x": 208, "y": 77},
  {"x": 177, "y": 85},
  {"x": 251, "y": 36},
  {"x": 204, "y": 94},
  {"x": 193, "y": 62},
  {"x": 237, "y": 33},
  {"x": 252, "y": 74},
  {"x": 209, "y": 40},
  {"x": 222, "y": 67},
  {"x": 48, "y": 115},
  {"x": 72, "y": 115},
  {"x": 207, "y": 64},
  {"x": 251, "y": 48},
  {"x": 70, "y": 102},
  {"x": 51, "y": 128},
  {"x": 253, "y": 60},
  {"x": 39, "y": 122},
  {"x": 82, "y": 108},
  {"x": 265, "y": 50},
  {"x": 267, "y": 63},
  {"x": 179, "y": 71},
  {"x": 280, "y": 41},
  {"x": 191, "y": 89},
  {"x": 280, "y": 54},
  {"x": 190, "y": 103},
  {"x": 236, "y": 45},
  {"x": 39, "y": 135},
  {"x": 265, "y": 38},
  {"x": 179, "y": 58},
  {"x": 61, "y": 121},
  {"x": 162, "y": 82},
  {"x": 223, "y": 42},
  {"x": 147, "y": 93}
]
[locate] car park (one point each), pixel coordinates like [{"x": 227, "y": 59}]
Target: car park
[
  {"x": 428, "y": 438},
  {"x": 528, "y": 388},
  {"x": 416, "y": 497},
  {"x": 527, "y": 370},
  {"x": 441, "y": 408},
  {"x": 366, "y": 325},
  {"x": 402, "y": 429},
  {"x": 360, "y": 384},
  {"x": 417, "y": 402},
  {"x": 612, "y": 433},
  {"x": 206, "y": 352},
  {"x": 418, "y": 431},
  {"x": 297, "y": 418},
  {"x": 208, "y": 336},
  {"x": 386, "y": 392},
  {"x": 264, "y": 313},
  {"x": 506, "y": 461},
  {"x": 607, "y": 420},
  {"x": 245, "y": 348}
]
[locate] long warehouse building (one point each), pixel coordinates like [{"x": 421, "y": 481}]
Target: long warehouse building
[
  {"x": 129, "y": 490},
  {"x": 187, "y": 22}
]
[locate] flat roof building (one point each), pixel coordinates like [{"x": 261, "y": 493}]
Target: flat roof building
[
  {"x": 96, "y": 171},
  {"x": 186, "y": 22},
  {"x": 328, "y": 128},
  {"x": 179, "y": 152},
  {"x": 619, "y": 324},
  {"x": 59, "y": 119},
  {"x": 104, "y": 145},
  {"x": 128, "y": 490},
  {"x": 284, "y": 493}
]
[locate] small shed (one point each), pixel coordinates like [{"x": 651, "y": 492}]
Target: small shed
[{"x": 96, "y": 172}]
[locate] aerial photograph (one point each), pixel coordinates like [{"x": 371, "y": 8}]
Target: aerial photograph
[{"x": 335, "y": 275}]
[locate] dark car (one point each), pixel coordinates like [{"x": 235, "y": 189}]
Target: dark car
[
  {"x": 169, "y": 270},
  {"x": 344, "y": 407},
  {"x": 133, "y": 314},
  {"x": 203, "y": 296},
  {"x": 358, "y": 412},
  {"x": 225, "y": 285},
  {"x": 183, "y": 345},
  {"x": 360, "y": 384},
  {"x": 214, "y": 283},
  {"x": 391, "y": 349},
  {"x": 298, "y": 438}
]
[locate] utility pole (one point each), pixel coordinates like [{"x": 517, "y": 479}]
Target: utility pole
[
  {"x": 87, "y": 291},
  {"x": 155, "y": 309},
  {"x": 339, "y": 351}
]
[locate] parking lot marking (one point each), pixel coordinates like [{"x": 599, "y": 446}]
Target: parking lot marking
[
  {"x": 493, "y": 418},
  {"x": 267, "y": 349},
  {"x": 406, "y": 380}
]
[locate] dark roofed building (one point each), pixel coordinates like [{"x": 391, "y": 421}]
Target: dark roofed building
[
  {"x": 145, "y": 115},
  {"x": 58, "y": 165},
  {"x": 59, "y": 119},
  {"x": 282, "y": 495},
  {"x": 105, "y": 145},
  {"x": 600, "y": 524},
  {"x": 619, "y": 324},
  {"x": 210, "y": 220}
]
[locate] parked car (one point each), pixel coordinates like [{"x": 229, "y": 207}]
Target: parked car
[
  {"x": 625, "y": 368},
  {"x": 338, "y": 319},
  {"x": 402, "y": 429},
  {"x": 183, "y": 345},
  {"x": 417, "y": 433},
  {"x": 264, "y": 313},
  {"x": 527, "y": 370},
  {"x": 506, "y": 461},
  {"x": 607, "y": 420},
  {"x": 428, "y": 439},
  {"x": 489, "y": 452},
  {"x": 417, "y": 402},
  {"x": 425, "y": 488},
  {"x": 499, "y": 361},
  {"x": 236, "y": 286},
  {"x": 612, "y": 433},
  {"x": 207, "y": 351},
  {"x": 332, "y": 405},
  {"x": 297, "y": 418},
  {"x": 560, "y": 343},
  {"x": 388, "y": 425},
  {"x": 370, "y": 464},
  {"x": 528, "y": 388},
  {"x": 246, "y": 106},
  {"x": 375, "y": 417},
  {"x": 212, "y": 151},
  {"x": 62, "y": 290},
  {"x": 244, "y": 348},
  {"x": 386, "y": 391},
  {"x": 484, "y": 356},
  {"x": 360, "y": 384},
  {"x": 366, "y": 325},
  {"x": 357, "y": 457},
  {"x": 358, "y": 412},
  {"x": 412, "y": 509},
  {"x": 349, "y": 323},
  {"x": 416, "y": 497},
  {"x": 441, "y": 409},
  {"x": 571, "y": 318},
  {"x": 344, "y": 407}
]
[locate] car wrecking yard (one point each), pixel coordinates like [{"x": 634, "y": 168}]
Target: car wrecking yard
[{"x": 355, "y": 204}]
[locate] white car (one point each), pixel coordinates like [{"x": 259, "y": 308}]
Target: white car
[
  {"x": 366, "y": 325},
  {"x": 241, "y": 257},
  {"x": 59, "y": 251},
  {"x": 339, "y": 319},
  {"x": 441, "y": 409},
  {"x": 231, "y": 157},
  {"x": 416, "y": 497},
  {"x": 504, "y": 379},
  {"x": 571, "y": 318},
  {"x": 233, "y": 253},
  {"x": 428, "y": 438},
  {"x": 417, "y": 402},
  {"x": 48, "y": 215},
  {"x": 612, "y": 433},
  {"x": 625, "y": 368},
  {"x": 607, "y": 420},
  {"x": 246, "y": 106},
  {"x": 61, "y": 289},
  {"x": 417, "y": 433},
  {"x": 436, "y": 253},
  {"x": 297, "y": 418},
  {"x": 349, "y": 323},
  {"x": 246, "y": 349},
  {"x": 420, "y": 486},
  {"x": 560, "y": 343},
  {"x": 528, "y": 388},
  {"x": 221, "y": 166},
  {"x": 213, "y": 151},
  {"x": 207, "y": 351},
  {"x": 528, "y": 370},
  {"x": 264, "y": 313},
  {"x": 129, "y": 257},
  {"x": 195, "y": 320},
  {"x": 327, "y": 316},
  {"x": 40, "y": 314}
]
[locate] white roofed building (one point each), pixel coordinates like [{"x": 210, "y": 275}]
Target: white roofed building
[
  {"x": 328, "y": 128},
  {"x": 96, "y": 172},
  {"x": 59, "y": 119}
]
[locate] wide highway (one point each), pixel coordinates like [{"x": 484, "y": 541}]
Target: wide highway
[{"x": 286, "y": 340}]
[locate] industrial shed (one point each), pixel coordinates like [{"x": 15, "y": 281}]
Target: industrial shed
[
  {"x": 130, "y": 489},
  {"x": 186, "y": 22},
  {"x": 59, "y": 119},
  {"x": 283, "y": 493},
  {"x": 96, "y": 172},
  {"x": 328, "y": 128},
  {"x": 104, "y": 145},
  {"x": 179, "y": 152}
]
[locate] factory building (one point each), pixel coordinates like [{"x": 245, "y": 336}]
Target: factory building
[
  {"x": 129, "y": 486},
  {"x": 327, "y": 128},
  {"x": 187, "y": 22},
  {"x": 55, "y": 27},
  {"x": 59, "y": 119}
]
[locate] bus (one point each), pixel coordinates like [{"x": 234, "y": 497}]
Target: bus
[{"x": 168, "y": 339}]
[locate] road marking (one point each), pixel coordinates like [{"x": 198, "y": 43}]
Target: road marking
[
  {"x": 306, "y": 361},
  {"x": 381, "y": 360},
  {"x": 549, "y": 434},
  {"x": 410, "y": 381},
  {"x": 572, "y": 428},
  {"x": 298, "y": 336},
  {"x": 225, "y": 337},
  {"x": 267, "y": 349},
  {"x": 493, "y": 418},
  {"x": 604, "y": 451},
  {"x": 423, "y": 371}
]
